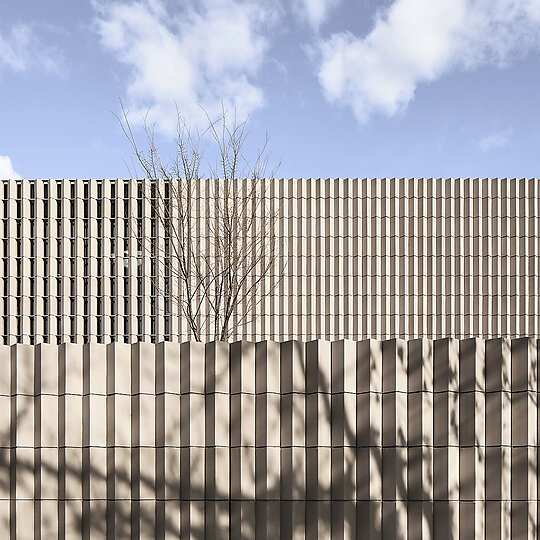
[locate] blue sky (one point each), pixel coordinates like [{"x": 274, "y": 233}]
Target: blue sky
[{"x": 342, "y": 87}]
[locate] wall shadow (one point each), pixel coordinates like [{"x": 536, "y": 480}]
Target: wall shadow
[{"x": 342, "y": 439}]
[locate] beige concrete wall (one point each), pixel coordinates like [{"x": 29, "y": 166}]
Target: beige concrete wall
[
  {"x": 362, "y": 258},
  {"x": 370, "y": 439}
]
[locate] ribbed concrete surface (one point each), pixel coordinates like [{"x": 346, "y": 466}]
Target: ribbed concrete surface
[
  {"x": 362, "y": 258},
  {"x": 370, "y": 439}
]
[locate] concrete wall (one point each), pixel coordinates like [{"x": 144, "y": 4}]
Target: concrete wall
[
  {"x": 370, "y": 439},
  {"x": 359, "y": 258}
]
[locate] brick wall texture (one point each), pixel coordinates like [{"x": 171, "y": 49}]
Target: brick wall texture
[
  {"x": 369, "y": 439},
  {"x": 360, "y": 258}
]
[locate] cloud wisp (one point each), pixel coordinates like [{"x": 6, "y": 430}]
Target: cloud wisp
[
  {"x": 494, "y": 141},
  {"x": 22, "y": 50},
  {"x": 6, "y": 169},
  {"x": 418, "y": 41},
  {"x": 187, "y": 54},
  {"x": 314, "y": 12}
]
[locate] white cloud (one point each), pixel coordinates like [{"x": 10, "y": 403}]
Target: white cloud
[
  {"x": 315, "y": 12},
  {"x": 188, "y": 55},
  {"x": 495, "y": 140},
  {"x": 418, "y": 41},
  {"x": 21, "y": 50},
  {"x": 6, "y": 169}
]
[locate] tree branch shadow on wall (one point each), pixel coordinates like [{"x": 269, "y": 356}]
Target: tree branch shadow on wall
[
  {"x": 170, "y": 513},
  {"x": 74, "y": 476}
]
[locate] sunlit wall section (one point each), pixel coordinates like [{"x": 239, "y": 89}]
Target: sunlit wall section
[
  {"x": 401, "y": 439},
  {"x": 93, "y": 261}
]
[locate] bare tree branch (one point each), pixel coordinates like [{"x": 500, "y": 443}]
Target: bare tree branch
[{"x": 218, "y": 251}]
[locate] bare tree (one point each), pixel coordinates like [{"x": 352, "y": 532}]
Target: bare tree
[{"x": 225, "y": 271}]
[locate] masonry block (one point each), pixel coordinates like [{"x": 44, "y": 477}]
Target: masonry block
[
  {"x": 25, "y": 519},
  {"x": 25, "y": 420},
  {"x": 170, "y": 353},
  {"x": 420, "y": 519},
  {"x": 48, "y": 360},
  {"x": 192, "y": 363},
  {"x": 220, "y": 362},
  {"x": 472, "y": 519},
  {"x": 122, "y": 473},
  {"x": 318, "y": 366},
  {"x": 5, "y": 370},
  {"x": 98, "y": 473},
  {"x": 498, "y": 519},
  {"x": 171, "y": 519},
  {"x": 369, "y": 368},
  {"x": 369, "y": 517},
  {"x": 49, "y": 473},
  {"x": 147, "y": 478},
  {"x": 22, "y": 369},
  {"x": 147, "y": 365},
  {"x": 25, "y": 471},
  {"x": 524, "y": 365},
  {"x": 122, "y": 420},
  {"x": 369, "y": 473},
  {"x": 524, "y": 418},
  {"x": 379, "y": 439},
  {"x": 394, "y": 519},
  {"x": 171, "y": 410},
  {"x": 96, "y": 375},
  {"x": 147, "y": 411},
  {"x": 98, "y": 419},
  {"x": 292, "y": 367},
  {"x": 71, "y": 368},
  {"x": 242, "y": 368},
  {"x": 267, "y": 367},
  {"x": 119, "y": 368},
  {"x": 369, "y": 419},
  {"x": 498, "y": 473},
  {"x": 49, "y": 519},
  {"x": 73, "y": 473},
  {"x": 242, "y": 407},
  {"x": 49, "y": 421}
]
